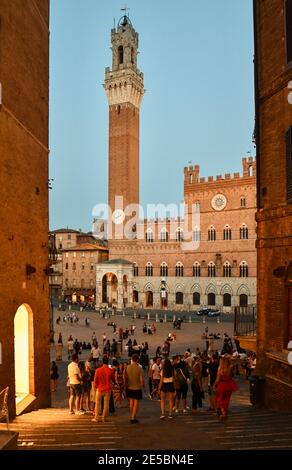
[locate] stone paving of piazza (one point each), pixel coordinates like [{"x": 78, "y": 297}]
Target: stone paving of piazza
[{"x": 245, "y": 428}]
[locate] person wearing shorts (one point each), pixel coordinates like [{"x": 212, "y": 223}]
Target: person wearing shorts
[
  {"x": 134, "y": 384},
  {"x": 75, "y": 387},
  {"x": 166, "y": 387}
]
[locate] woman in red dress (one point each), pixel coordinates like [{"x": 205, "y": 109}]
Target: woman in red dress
[{"x": 225, "y": 385}]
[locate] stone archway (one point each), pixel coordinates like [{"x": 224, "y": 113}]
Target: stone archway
[
  {"x": 110, "y": 288},
  {"x": 114, "y": 283}
]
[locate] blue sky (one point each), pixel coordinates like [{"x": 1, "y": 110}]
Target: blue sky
[{"x": 197, "y": 60}]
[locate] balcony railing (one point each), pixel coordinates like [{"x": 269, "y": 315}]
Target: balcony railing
[{"x": 245, "y": 321}]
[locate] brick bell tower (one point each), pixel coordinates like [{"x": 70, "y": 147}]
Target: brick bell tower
[{"x": 124, "y": 86}]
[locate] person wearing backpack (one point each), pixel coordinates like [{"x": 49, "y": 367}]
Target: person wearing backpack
[{"x": 182, "y": 378}]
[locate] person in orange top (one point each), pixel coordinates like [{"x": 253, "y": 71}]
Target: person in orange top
[{"x": 103, "y": 383}]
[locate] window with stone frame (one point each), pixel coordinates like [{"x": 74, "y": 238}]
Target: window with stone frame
[
  {"x": 196, "y": 298},
  {"x": 179, "y": 298},
  {"x": 227, "y": 269},
  {"x": 164, "y": 270},
  {"x": 179, "y": 270},
  {"x": 136, "y": 270},
  {"x": 243, "y": 232},
  {"x": 211, "y": 234},
  {"x": 149, "y": 237},
  {"x": 179, "y": 235},
  {"x": 211, "y": 269},
  {"x": 196, "y": 269},
  {"x": 227, "y": 233},
  {"x": 211, "y": 299},
  {"x": 226, "y": 300},
  {"x": 149, "y": 269},
  {"x": 243, "y": 269}
]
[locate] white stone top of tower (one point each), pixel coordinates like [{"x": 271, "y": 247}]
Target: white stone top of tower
[{"x": 124, "y": 83}]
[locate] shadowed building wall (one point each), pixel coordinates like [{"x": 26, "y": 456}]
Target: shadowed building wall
[
  {"x": 24, "y": 76},
  {"x": 273, "y": 78}
]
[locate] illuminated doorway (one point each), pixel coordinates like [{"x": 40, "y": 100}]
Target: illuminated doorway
[{"x": 23, "y": 353}]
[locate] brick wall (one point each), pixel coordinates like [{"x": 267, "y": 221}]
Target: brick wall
[
  {"x": 123, "y": 154},
  {"x": 24, "y": 62},
  {"x": 274, "y": 216}
]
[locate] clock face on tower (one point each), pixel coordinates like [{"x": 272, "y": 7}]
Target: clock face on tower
[
  {"x": 219, "y": 202},
  {"x": 118, "y": 216}
]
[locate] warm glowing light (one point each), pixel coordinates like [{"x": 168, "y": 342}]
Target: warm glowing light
[{"x": 21, "y": 350}]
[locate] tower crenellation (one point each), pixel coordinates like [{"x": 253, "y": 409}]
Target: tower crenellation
[{"x": 192, "y": 175}]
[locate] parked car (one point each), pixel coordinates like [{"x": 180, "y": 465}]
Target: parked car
[
  {"x": 214, "y": 313},
  {"x": 203, "y": 311}
]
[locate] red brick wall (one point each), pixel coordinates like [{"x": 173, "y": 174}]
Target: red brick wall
[
  {"x": 233, "y": 215},
  {"x": 124, "y": 154},
  {"x": 24, "y": 62},
  {"x": 274, "y": 215}
]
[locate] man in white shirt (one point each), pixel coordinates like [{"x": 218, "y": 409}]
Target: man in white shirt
[
  {"x": 156, "y": 376},
  {"x": 95, "y": 352},
  {"x": 70, "y": 347},
  {"x": 74, "y": 381}
]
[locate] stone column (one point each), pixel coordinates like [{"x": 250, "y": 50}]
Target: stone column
[
  {"x": 120, "y": 291},
  {"x": 130, "y": 294},
  {"x": 98, "y": 300}
]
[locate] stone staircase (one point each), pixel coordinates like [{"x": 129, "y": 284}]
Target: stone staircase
[
  {"x": 246, "y": 428},
  {"x": 54, "y": 428}
]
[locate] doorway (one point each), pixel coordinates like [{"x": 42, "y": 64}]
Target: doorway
[{"x": 23, "y": 352}]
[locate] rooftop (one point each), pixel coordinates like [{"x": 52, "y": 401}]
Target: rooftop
[{"x": 86, "y": 247}]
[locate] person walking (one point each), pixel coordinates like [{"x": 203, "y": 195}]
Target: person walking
[
  {"x": 70, "y": 347},
  {"x": 119, "y": 387},
  {"x": 213, "y": 371},
  {"x": 225, "y": 385},
  {"x": 197, "y": 386},
  {"x": 166, "y": 387},
  {"x": 134, "y": 383},
  {"x": 103, "y": 383},
  {"x": 95, "y": 352},
  {"x": 156, "y": 376},
  {"x": 54, "y": 376},
  {"x": 182, "y": 378},
  {"x": 59, "y": 348}
]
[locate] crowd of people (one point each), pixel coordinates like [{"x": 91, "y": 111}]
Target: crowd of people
[
  {"x": 102, "y": 384},
  {"x": 107, "y": 380}
]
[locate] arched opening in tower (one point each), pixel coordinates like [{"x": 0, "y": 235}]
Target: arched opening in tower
[
  {"x": 121, "y": 55},
  {"x": 23, "y": 353}
]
